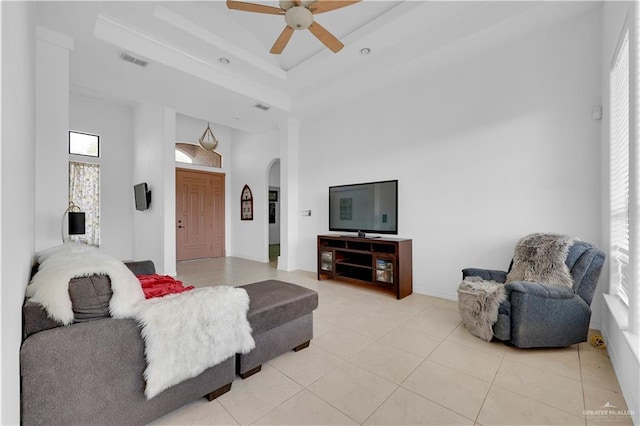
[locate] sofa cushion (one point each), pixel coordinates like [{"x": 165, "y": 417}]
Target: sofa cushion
[
  {"x": 141, "y": 267},
  {"x": 35, "y": 319},
  {"x": 273, "y": 303},
  {"x": 90, "y": 297}
]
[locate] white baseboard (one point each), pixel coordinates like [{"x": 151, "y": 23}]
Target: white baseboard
[
  {"x": 595, "y": 325},
  {"x": 438, "y": 294},
  {"x": 255, "y": 259}
]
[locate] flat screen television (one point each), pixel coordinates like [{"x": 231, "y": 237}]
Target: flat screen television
[
  {"x": 142, "y": 196},
  {"x": 364, "y": 207}
]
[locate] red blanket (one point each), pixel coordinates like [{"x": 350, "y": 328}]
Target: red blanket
[{"x": 160, "y": 285}]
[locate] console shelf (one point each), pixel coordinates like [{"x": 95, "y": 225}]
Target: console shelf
[{"x": 384, "y": 262}]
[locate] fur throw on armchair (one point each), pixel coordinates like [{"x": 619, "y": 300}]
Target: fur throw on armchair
[
  {"x": 541, "y": 258},
  {"x": 537, "y": 258},
  {"x": 478, "y": 303}
]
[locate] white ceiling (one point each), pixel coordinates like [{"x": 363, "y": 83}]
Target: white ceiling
[{"x": 184, "y": 40}]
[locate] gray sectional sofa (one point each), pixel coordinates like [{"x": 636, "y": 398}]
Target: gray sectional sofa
[{"x": 91, "y": 372}]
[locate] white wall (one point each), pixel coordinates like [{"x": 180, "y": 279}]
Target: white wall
[
  {"x": 52, "y": 126},
  {"x": 17, "y": 188},
  {"x": 252, "y": 155},
  {"x": 154, "y": 162},
  {"x": 486, "y": 150},
  {"x": 114, "y": 124},
  {"x": 289, "y": 134}
]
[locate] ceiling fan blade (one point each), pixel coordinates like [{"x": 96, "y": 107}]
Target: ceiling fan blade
[
  {"x": 326, "y": 37},
  {"x": 321, "y": 6},
  {"x": 282, "y": 40},
  {"x": 253, "y": 7}
]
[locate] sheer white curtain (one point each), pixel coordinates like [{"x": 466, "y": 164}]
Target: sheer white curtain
[{"x": 84, "y": 191}]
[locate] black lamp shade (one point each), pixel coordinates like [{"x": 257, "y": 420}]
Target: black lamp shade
[{"x": 76, "y": 223}]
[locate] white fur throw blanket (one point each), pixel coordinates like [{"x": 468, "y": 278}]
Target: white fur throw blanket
[
  {"x": 189, "y": 332},
  {"x": 478, "y": 303},
  {"x": 50, "y": 285},
  {"x": 541, "y": 258},
  {"x": 184, "y": 333}
]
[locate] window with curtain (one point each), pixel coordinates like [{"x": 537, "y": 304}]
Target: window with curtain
[{"x": 84, "y": 191}]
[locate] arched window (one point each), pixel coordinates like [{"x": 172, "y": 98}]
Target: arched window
[
  {"x": 195, "y": 154},
  {"x": 181, "y": 157}
]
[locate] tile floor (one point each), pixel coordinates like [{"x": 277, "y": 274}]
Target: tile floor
[{"x": 379, "y": 361}]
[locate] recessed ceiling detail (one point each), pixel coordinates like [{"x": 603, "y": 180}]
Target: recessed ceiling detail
[
  {"x": 206, "y": 35},
  {"x": 184, "y": 40},
  {"x": 163, "y": 52}
]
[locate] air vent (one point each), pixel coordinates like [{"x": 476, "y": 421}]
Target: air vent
[
  {"x": 262, "y": 106},
  {"x": 128, "y": 58}
]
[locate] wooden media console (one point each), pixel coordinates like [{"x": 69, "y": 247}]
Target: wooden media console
[{"x": 384, "y": 262}]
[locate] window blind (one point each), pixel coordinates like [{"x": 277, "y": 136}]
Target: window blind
[{"x": 619, "y": 169}]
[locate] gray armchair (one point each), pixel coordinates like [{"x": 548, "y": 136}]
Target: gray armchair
[{"x": 540, "y": 315}]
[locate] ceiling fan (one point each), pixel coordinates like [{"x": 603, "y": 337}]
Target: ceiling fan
[{"x": 298, "y": 14}]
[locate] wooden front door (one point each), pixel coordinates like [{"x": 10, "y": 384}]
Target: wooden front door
[{"x": 199, "y": 214}]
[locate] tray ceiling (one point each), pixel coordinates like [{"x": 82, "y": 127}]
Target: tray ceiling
[{"x": 184, "y": 41}]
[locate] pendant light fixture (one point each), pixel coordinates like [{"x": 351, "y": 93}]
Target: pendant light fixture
[{"x": 208, "y": 141}]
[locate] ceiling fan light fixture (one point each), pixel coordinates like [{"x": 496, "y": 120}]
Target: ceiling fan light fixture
[
  {"x": 299, "y": 17},
  {"x": 286, "y": 4}
]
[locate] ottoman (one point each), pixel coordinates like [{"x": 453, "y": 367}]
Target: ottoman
[{"x": 281, "y": 318}]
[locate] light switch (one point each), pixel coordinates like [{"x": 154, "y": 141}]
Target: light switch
[{"x": 596, "y": 112}]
